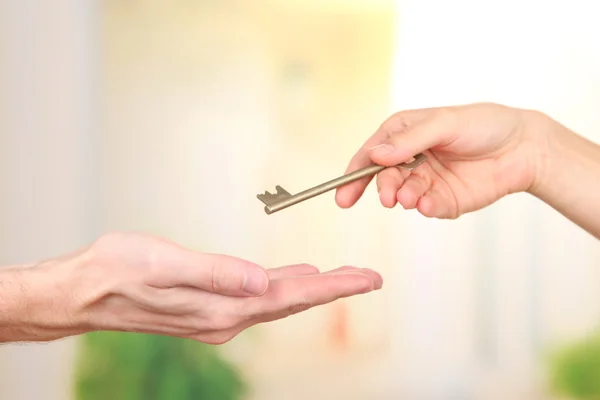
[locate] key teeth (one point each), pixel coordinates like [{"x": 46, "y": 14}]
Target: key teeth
[
  {"x": 263, "y": 197},
  {"x": 281, "y": 191},
  {"x": 269, "y": 198}
]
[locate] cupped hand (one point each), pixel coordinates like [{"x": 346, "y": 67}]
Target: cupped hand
[
  {"x": 477, "y": 154},
  {"x": 138, "y": 283}
]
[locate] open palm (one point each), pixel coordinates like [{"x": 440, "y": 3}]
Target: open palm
[{"x": 152, "y": 285}]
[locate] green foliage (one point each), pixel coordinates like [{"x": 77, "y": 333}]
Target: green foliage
[
  {"x": 575, "y": 370},
  {"x": 127, "y": 366}
]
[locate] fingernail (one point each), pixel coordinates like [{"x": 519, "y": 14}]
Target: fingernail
[
  {"x": 255, "y": 282},
  {"x": 377, "y": 279},
  {"x": 378, "y": 284},
  {"x": 382, "y": 149}
]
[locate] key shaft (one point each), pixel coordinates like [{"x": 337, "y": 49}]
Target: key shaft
[
  {"x": 322, "y": 188},
  {"x": 286, "y": 200}
]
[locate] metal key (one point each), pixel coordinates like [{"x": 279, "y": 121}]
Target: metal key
[{"x": 283, "y": 199}]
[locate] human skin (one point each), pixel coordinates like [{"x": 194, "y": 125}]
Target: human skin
[
  {"x": 477, "y": 154},
  {"x": 137, "y": 283}
]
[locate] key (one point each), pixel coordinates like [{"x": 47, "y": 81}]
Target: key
[{"x": 282, "y": 199}]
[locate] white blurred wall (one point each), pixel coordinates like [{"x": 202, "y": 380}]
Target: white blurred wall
[
  {"x": 47, "y": 156},
  {"x": 534, "y": 277}
]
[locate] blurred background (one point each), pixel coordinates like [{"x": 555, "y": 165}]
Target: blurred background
[{"x": 170, "y": 116}]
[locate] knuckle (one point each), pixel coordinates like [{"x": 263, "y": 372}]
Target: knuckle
[
  {"x": 100, "y": 252},
  {"x": 214, "y": 281},
  {"x": 223, "y": 278},
  {"x": 394, "y": 122},
  {"x": 136, "y": 246},
  {"x": 395, "y": 135},
  {"x": 216, "y": 277},
  {"x": 107, "y": 240}
]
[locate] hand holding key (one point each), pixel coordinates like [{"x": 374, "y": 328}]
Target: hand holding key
[
  {"x": 476, "y": 154},
  {"x": 468, "y": 157}
]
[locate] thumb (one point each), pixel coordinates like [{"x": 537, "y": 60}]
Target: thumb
[
  {"x": 233, "y": 276},
  {"x": 402, "y": 146},
  {"x": 217, "y": 273}
]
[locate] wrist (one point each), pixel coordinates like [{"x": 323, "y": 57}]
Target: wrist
[
  {"x": 547, "y": 139},
  {"x": 37, "y": 302}
]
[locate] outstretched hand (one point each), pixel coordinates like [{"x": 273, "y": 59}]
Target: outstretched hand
[{"x": 139, "y": 283}]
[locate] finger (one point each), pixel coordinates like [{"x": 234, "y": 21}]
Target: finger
[
  {"x": 305, "y": 269},
  {"x": 292, "y": 295},
  {"x": 435, "y": 205},
  {"x": 340, "y": 269},
  {"x": 413, "y": 188},
  {"x": 389, "y": 181},
  {"x": 292, "y": 270},
  {"x": 375, "y": 276},
  {"x": 402, "y": 146},
  {"x": 231, "y": 276},
  {"x": 346, "y": 196}
]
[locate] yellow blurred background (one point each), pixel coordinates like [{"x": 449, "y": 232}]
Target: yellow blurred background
[{"x": 170, "y": 116}]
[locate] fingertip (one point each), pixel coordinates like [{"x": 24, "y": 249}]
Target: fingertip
[
  {"x": 427, "y": 207},
  {"x": 404, "y": 197},
  {"x": 374, "y": 277},
  {"x": 341, "y": 202},
  {"x": 388, "y": 155},
  {"x": 408, "y": 198},
  {"x": 382, "y": 158},
  {"x": 345, "y": 198},
  {"x": 387, "y": 197},
  {"x": 377, "y": 279},
  {"x": 365, "y": 284},
  {"x": 353, "y": 280},
  {"x": 382, "y": 150}
]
